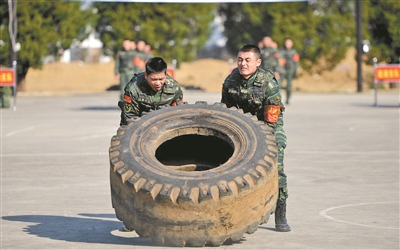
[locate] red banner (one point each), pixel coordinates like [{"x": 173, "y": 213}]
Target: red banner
[
  {"x": 7, "y": 77},
  {"x": 389, "y": 73},
  {"x": 171, "y": 72}
]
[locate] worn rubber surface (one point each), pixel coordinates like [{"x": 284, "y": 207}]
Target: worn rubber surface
[{"x": 194, "y": 174}]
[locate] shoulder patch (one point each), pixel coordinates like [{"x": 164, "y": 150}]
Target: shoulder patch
[
  {"x": 128, "y": 108},
  {"x": 127, "y": 99},
  {"x": 277, "y": 99},
  {"x": 296, "y": 58}
]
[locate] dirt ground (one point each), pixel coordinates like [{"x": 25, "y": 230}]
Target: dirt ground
[{"x": 202, "y": 74}]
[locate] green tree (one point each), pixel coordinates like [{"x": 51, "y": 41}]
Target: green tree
[
  {"x": 245, "y": 23},
  {"x": 321, "y": 30},
  {"x": 175, "y": 31},
  {"x": 382, "y": 20},
  {"x": 44, "y": 27}
]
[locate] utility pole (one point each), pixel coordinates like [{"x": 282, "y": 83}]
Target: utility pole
[
  {"x": 359, "y": 44},
  {"x": 12, "y": 28}
]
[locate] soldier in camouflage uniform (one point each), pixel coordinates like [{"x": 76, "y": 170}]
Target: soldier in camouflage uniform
[
  {"x": 124, "y": 68},
  {"x": 5, "y": 93},
  {"x": 140, "y": 58},
  {"x": 149, "y": 90},
  {"x": 255, "y": 90},
  {"x": 281, "y": 62},
  {"x": 147, "y": 52},
  {"x": 271, "y": 58},
  {"x": 292, "y": 59}
]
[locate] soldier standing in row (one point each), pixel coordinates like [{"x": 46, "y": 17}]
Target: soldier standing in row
[
  {"x": 256, "y": 90},
  {"x": 124, "y": 67},
  {"x": 292, "y": 59},
  {"x": 271, "y": 58},
  {"x": 138, "y": 61},
  {"x": 5, "y": 93},
  {"x": 147, "y": 52},
  {"x": 149, "y": 90},
  {"x": 281, "y": 63},
  {"x": 143, "y": 53}
]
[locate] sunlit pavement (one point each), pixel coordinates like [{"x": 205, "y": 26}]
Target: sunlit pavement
[{"x": 342, "y": 163}]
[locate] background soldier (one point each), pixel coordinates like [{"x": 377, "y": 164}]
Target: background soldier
[
  {"x": 149, "y": 90},
  {"x": 147, "y": 52},
  {"x": 292, "y": 59},
  {"x": 140, "y": 58},
  {"x": 124, "y": 68},
  {"x": 5, "y": 94},
  {"x": 260, "y": 45},
  {"x": 255, "y": 90},
  {"x": 281, "y": 63},
  {"x": 270, "y": 58}
]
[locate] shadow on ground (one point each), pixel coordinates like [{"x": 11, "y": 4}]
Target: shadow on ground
[
  {"x": 97, "y": 229},
  {"x": 113, "y": 87},
  {"x": 75, "y": 229}
]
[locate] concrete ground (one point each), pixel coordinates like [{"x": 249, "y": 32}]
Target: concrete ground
[{"x": 342, "y": 163}]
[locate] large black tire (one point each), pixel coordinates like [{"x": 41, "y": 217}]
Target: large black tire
[{"x": 194, "y": 174}]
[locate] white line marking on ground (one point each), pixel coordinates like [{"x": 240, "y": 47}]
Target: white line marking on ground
[
  {"x": 342, "y": 152},
  {"x": 323, "y": 213},
  {"x": 20, "y": 131}
]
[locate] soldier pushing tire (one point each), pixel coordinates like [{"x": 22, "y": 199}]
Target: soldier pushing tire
[{"x": 194, "y": 174}]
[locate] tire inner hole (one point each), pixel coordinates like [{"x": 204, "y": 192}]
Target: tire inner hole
[{"x": 194, "y": 152}]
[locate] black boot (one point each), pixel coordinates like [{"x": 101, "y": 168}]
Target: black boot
[{"x": 280, "y": 217}]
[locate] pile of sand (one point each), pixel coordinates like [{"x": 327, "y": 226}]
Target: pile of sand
[{"x": 203, "y": 74}]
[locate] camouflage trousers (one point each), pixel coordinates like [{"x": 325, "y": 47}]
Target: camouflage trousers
[
  {"x": 5, "y": 93},
  {"x": 282, "y": 178},
  {"x": 289, "y": 78}
]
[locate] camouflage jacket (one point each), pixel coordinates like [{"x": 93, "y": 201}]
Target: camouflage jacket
[
  {"x": 271, "y": 60},
  {"x": 140, "y": 97},
  {"x": 253, "y": 94},
  {"x": 292, "y": 59},
  {"x": 124, "y": 62}
]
